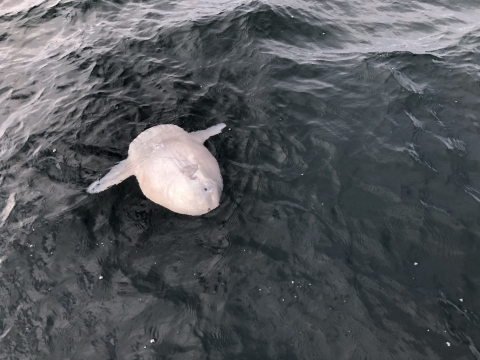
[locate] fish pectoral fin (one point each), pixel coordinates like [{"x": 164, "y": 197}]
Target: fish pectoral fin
[
  {"x": 203, "y": 135},
  {"x": 190, "y": 170},
  {"x": 117, "y": 174}
]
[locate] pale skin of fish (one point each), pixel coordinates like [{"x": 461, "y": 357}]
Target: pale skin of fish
[{"x": 173, "y": 168}]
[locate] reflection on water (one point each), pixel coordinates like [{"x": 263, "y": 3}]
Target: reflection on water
[{"x": 348, "y": 224}]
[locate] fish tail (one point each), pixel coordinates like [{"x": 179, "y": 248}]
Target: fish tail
[{"x": 116, "y": 175}]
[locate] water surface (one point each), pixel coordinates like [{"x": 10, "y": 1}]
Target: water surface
[{"x": 348, "y": 227}]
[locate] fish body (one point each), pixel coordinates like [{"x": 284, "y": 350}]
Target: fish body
[{"x": 173, "y": 168}]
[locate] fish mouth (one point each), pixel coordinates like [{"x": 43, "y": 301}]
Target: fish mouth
[{"x": 213, "y": 205}]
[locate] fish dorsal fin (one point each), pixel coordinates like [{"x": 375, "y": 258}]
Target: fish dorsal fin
[
  {"x": 190, "y": 170},
  {"x": 148, "y": 140},
  {"x": 203, "y": 135}
]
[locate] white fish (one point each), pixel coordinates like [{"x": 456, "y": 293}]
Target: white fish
[{"x": 173, "y": 169}]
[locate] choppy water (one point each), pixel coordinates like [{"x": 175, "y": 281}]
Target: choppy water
[{"x": 349, "y": 224}]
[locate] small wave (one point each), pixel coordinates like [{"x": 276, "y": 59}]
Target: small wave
[
  {"x": 451, "y": 143},
  {"x": 417, "y": 123},
  {"x": 407, "y": 83},
  {"x": 11, "y": 7},
  {"x": 474, "y": 193},
  {"x": 9, "y": 205}
]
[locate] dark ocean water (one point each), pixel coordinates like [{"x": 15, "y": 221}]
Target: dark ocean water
[{"x": 349, "y": 224}]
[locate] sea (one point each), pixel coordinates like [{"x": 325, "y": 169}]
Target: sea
[{"x": 349, "y": 224}]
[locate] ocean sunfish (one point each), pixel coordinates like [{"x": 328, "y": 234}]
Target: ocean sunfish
[{"x": 173, "y": 169}]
